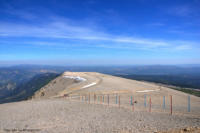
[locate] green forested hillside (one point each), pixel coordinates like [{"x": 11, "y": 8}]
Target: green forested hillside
[
  {"x": 182, "y": 81},
  {"x": 25, "y": 90}
]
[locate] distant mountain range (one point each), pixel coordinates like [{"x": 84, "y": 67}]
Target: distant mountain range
[
  {"x": 25, "y": 90},
  {"x": 19, "y": 82},
  {"x": 179, "y": 80},
  {"x": 12, "y": 77}
]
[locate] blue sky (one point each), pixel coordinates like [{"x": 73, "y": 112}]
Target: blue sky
[{"x": 99, "y": 32}]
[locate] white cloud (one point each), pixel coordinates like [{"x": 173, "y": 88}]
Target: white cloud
[
  {"x": 62, "y": 29},
  {"x": 183, "y": 47}
]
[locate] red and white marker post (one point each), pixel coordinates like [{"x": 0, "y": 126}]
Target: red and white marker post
[{"x": 171, "y": 104}]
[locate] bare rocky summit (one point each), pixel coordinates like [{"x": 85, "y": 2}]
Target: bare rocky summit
[{"x": 78, "y": 103}]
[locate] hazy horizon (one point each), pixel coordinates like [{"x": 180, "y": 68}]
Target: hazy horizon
[{"x": 93, "y": 65}]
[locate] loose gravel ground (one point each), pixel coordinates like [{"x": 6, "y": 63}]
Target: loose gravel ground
[{"x": 64, "y": 116}]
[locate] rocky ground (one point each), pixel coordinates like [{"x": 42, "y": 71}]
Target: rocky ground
[{"x": 65, "y": 116}]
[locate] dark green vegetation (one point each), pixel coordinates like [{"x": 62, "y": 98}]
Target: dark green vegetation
[
  {"x": 27, "y": 89},
  {"x": 13, "y": 77},
  {"x": 183, "y": 82},
  {"x": 189, "y": 91}
]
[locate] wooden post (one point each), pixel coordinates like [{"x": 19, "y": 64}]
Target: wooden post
[
  {"x": 119, "y": 101},
  {"x": 116, "y": 98},
  {"x": 163, "y": 102},
  {"x": 132, "y": 103},
  {"x": 188, "y": 103},
  {"x": 145, "y": 103},
  {"x": 94, "y": 98},
  {"x": 131, "y": 100},
  {"x": 171, "y": 103},
  {"x": 150, "y": 104},
  {"x": 108, "y": 100},
  {"x": 89, "y": 98}
]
